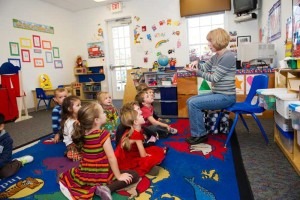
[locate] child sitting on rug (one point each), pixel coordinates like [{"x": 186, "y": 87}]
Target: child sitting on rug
[
  {"x": 70, "y": 107},
  {"x": 131, "y": 153},
  {"x": 59, "y": 95},
  {"x": 112, "y": 115},
  {"x": 150, "y": 136},
  {"x": 9, "y": 167},
  {"x": 98, "y": 172},
  {"x": 145, "y": 101},
  {"x": 150, "y": 91}
]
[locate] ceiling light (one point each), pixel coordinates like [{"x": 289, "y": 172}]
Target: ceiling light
[{"x": 99, "y": 0}]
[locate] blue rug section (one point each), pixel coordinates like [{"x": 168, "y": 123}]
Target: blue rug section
[{"x": 208, "y": 172}]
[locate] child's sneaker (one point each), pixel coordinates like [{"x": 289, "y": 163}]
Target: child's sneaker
[
  {"x": 103, "y": 192},
  {"x": 173, "y": 131},
  {"x": 25, "y": 159}
]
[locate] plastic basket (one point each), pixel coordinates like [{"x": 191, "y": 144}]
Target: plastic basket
[
  {"x": 267, "y": 98},
  {"x": 284, "y": 124},
  {"x": 282, "y": 104},
  {"x": 295, "y": 116}
]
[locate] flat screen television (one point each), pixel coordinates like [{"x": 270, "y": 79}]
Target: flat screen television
[{"x": 244, "y": 6}]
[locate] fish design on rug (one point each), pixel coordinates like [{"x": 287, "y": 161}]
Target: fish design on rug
[{"x": 200, "y": 192}]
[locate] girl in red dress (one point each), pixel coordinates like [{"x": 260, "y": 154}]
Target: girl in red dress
[
  {"x": 98, "y": 172},
  {"x": 130, "y": 152}
]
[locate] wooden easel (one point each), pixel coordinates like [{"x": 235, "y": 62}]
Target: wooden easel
[{"x": 130, "y": 88}]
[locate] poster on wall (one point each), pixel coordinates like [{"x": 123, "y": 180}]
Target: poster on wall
[
  {"x": 32, "y": 26},
  {"x": 296, "y": 28},
  {"x": 240, "y": 84},
  {"x": 274, "y": 21},
  {"x": 95, "y": 50}
]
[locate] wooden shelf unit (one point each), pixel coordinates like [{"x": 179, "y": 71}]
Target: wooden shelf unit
[
  {"x": 281, "y": 80},
  {"x": 90, "y": 79}
]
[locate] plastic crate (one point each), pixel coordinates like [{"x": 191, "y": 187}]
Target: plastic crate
[
  {"x": 295, "y": 116},
  {"x": 287, "y": 139},
  {"x": 267, "y": 98},
  {"x": 284, "y": 124},
  {"x": 282, "y": 104}
]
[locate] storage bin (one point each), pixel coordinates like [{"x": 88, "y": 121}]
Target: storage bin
[
  {"x": 267, "y": 98},
  {"x": 287, "y": 139},
  {"x": 295, "y": 116},
  {"x": 282, "y": 103},
  {"x": 168, "y": 93},
  {"x": 169, "y": 108},
  {"x": 284, "y": 124}
]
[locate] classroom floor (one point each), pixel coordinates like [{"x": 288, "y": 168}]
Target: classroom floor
[{"x": 270, "y": 174}]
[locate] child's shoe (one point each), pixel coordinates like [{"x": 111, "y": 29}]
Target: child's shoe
[
  {"x": 25, "y": 159},
  {"x": 103, "y": 192},
  {"x": 173, "y": 131}
]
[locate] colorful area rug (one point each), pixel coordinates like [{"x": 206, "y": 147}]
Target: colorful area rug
[{"x": 205, "y": 171}]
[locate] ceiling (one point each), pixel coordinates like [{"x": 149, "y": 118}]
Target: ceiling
[{"x": 78, "y": 5}]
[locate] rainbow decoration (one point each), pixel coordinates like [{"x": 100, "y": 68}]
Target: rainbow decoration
[{"x": 160, "y": 43}]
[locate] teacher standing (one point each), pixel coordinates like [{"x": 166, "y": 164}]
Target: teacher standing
[{"x": 220, "y": 71}]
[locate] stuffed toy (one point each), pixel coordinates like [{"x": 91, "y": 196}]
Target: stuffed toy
[{"x": 79, "y": 61}]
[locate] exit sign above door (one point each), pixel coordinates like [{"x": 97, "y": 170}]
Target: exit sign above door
[{"x": 116, "y": 7}]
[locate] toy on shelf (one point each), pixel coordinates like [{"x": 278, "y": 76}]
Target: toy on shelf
[
  {"x": 79, "y": 61},
  {"x": 172, "y": 63},
  {"x": 45, "y": 82}
]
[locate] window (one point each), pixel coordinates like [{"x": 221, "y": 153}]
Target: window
[
  {"x": 198, "y": 28},
  {"x": 121, "y": 45}
]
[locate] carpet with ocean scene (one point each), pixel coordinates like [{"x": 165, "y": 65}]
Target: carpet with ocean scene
[{"x": 203, "y": 171}]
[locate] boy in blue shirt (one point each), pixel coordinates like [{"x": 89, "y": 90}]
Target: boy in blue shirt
[{"x": 59, "y": 95}]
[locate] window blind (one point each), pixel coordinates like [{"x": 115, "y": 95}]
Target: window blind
[{"x": 196, "y": 7}]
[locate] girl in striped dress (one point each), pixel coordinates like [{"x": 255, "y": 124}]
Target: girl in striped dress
[{"x": 98, "y": 172}]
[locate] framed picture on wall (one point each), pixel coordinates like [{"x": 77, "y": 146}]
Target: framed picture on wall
[
  {"x": 25, "y": 55},
  {"x": 58, "y": 64},
  {"x": 38, "y": 62},
  {"x": 14, "y": 48},
  {"x": 49, "y": 58},
  {"x": 56, "y": 52},
  {"x": 243, "y": 40},
  {"x": 16, "y": 62},
  {"x": 25, "y": 43},
  {"x": 46, "y": 44},
  {"x": 36, "y": 41}
]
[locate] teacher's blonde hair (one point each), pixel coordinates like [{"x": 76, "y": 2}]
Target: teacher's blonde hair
[{"x": 219, "y": 38}]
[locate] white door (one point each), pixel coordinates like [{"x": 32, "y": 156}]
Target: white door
[{"x": 120, "y": 55}]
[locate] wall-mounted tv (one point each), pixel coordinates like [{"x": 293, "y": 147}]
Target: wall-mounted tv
[{"x": 244, "y": 6}]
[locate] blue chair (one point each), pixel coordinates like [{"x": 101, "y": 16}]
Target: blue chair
[
  {"x": 41, "y": 95},
  {"x": 240, "y": 108}
]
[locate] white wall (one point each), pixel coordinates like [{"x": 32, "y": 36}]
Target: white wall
[
  {"x": 38, "y": 12},
  {"x": 74, "y": 30},
  {"x": 286, "y": 12}
]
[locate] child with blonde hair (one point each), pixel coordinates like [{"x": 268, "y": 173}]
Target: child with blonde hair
[
  {"x": 112, "y": 115},
  {"x": 150, "y": 136},
  {"x": 70, "y": 107},
  {"x": 145, "y": 101},
  {"x": 131, "y": 153},
  {"x": 98, "y": 172}
]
